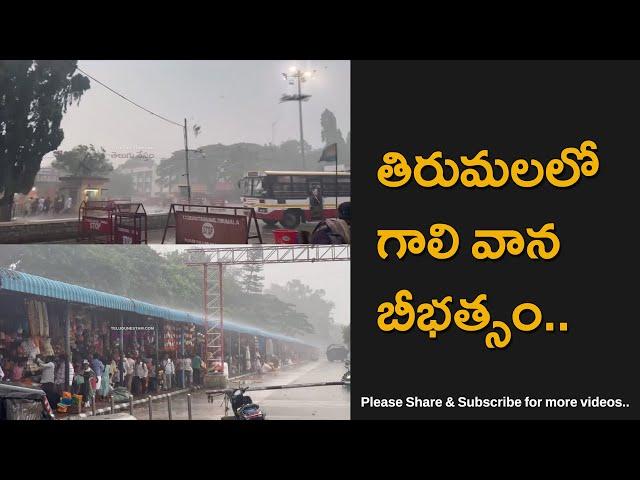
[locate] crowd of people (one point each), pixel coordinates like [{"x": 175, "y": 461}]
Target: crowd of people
[
  {"x": 96, "y": 377},
  {"x": 32, "y": 206},
  {"x": 47, "y": 205}
]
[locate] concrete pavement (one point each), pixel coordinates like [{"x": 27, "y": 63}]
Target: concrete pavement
[{"x": 312, "y": 403}]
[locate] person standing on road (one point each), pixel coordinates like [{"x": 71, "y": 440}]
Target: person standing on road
[
  {"x": 151, "y": 368},
  {"x": 196, "y": 363},
  {"x": 129, "y": 369},
  {"x": 88, "y": 386},
  {"x": 67, "y": 205},
  {"x": 141, "y": 377},
  {"x": 258, "y": 364},
  {"x": 113, "y": 372},
  {"x": 47, "y": 379},
  {"x": 188, "y": 372},
  {"x": 96, "y": 364},
  {"x": 122, "y": 371},
  {"x": 180, "y": 372},
  {"x": 103, "y": 391},
  {"x": 169, "y": 370}
]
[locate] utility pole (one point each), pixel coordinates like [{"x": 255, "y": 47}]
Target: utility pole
[
  {"x": 300, "y": 117},
  {"x": 295, "y": 74},
  {"x": 186, "y": 159}
]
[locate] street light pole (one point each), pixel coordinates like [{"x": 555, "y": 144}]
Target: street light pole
[
  {"x": 299, "y": 75},
  {"x": 186, "y": 159}
]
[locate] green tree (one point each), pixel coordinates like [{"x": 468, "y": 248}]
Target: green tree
[
  {"x": 34, "y": 95},
  {"x": 252, "y": 277},
  {"x": 229, "y": 163},
  {"x": 169, "y": 171},
  {"x": 330, "y": 133},
  {"x": 83, "y": 161}
]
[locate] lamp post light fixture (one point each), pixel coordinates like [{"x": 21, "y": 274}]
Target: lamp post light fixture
[{"x": 296, "y": 75}]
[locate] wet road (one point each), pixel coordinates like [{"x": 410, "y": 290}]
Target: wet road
[{"x": 312, "y": 403}]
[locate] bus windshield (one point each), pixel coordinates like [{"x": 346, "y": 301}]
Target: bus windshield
[{"x": 252, "y": 186}]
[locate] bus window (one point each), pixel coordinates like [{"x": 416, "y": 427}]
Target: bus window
[
  {"x": 344, "y": 186},
  {"x": 245, "y": 187},
  {"x": 282, "y": 184},
  {"x": 299, "y": 186},
  {"x": 258, "y": 190}
]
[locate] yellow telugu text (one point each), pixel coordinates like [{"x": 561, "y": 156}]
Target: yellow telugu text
[
  {"x": 492, "y": 244},
  {"x": 438, "y": 315},
  {"x": 435, "y": 171}
]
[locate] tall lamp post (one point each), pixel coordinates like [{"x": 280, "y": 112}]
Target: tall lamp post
[{"x": 295, "y": 75}]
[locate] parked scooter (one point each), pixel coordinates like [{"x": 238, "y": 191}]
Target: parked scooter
[
  {"x": 346, "y": 378},
  {"x": 242, "y": 405}
]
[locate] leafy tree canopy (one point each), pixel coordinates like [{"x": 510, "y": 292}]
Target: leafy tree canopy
[
  {"x": 83, "y": 161},
  {"x": 34, "y": 95}
]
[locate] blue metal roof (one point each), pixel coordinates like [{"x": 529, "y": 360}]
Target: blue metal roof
[
  {"x": 45, "y": 287},
  {"x": 21, "y": 282},
  {"x": 150, "y": 310}
]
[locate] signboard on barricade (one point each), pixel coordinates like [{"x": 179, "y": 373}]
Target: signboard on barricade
[
  {"x": 96, "y": 225},
  {"x": 197, "y": 227},
  {"x": 112, "y": 221},
  {"x": 127, "y": 235},
  {"x": 212, "y": 224}
]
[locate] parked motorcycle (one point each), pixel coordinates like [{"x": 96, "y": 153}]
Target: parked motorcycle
[
  {"x": 243, "y": 407},
  {"x": 346, "y": 378}
]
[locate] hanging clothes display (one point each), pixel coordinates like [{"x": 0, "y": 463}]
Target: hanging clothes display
[
  {"x": 189, "y": 336},
  {"x": 170, "y": 338}
]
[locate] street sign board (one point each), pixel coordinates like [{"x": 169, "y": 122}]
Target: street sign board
[{"x": 207, "y": 228}]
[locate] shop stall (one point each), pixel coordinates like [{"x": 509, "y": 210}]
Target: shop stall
[{"x": 41, "y": 316}]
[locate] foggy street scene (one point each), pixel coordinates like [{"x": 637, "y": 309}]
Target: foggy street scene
[
  {"x": 131, "y": 148},
  {"x": 243, "y": 332}
]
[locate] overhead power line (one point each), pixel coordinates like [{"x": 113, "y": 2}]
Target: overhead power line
[{"x": 129, "y": 100}]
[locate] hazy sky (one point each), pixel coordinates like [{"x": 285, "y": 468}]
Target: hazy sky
[
  {"x": 333, "y": 277},
  {"x": 233, "y": 101}
]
